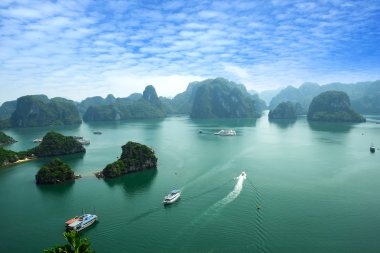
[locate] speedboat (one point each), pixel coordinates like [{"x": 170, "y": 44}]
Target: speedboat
[
  {"x": 243, "y": 174},
  {"x": 81, "y": 222},
  {"x": 229, "y": 132},
  {"x": 172, "y": 197}
]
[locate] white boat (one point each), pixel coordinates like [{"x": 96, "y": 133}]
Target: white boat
[
  {"x": 38, "y": 140},
  {"x": 81, "y": 222},
  {"x": 243, "y": 174},
  {"x": 172, "y": 197},
  {"x": 81, "y": 140},
  {"x": 372, "y": 148},
  {"x": 229, "y": 132}
]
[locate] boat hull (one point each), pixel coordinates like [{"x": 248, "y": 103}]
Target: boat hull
[{"x": 171, "y": 201}]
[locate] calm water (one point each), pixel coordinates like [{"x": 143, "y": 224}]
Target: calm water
[{"x": 317, "y": 186}]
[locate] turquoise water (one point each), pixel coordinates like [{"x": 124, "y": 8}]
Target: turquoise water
[{"x": 317, "y": 186}]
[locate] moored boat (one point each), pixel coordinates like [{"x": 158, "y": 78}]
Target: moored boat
[
  {"x": 38, "y": 140},
  {"x": 97, "y": 132},
  {"x": 81, "y": 222},
  {"x": 229, "y": 132},
  {"x": 172, "y": 197}
]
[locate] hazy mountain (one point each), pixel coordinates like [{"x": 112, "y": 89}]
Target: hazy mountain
[
  {"x": 364, "y": 95},
  {"x": 267, "y": 95},
  {"x": 7, "y": 108}
]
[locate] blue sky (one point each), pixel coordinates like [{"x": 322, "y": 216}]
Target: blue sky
[{"x": 77, "y": 49}]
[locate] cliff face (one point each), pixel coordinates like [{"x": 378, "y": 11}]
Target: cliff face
[
  {"x": 34, "y": 111},
  {"x": 333, "y": 106},
  {"x": 285, "y": 110},
  {"x": 55, "y": 144},
  {"x": 55, "y": 172},
  {"x": 219, "y": 98},
  {"x": 134, "y": 157}
]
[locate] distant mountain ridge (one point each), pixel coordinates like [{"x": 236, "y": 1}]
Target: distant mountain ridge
[{"x": 364, "y": 96}]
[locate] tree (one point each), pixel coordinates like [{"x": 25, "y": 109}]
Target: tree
[{"x": 75, "y": 244}]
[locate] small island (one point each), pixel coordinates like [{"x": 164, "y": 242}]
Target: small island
[
  {"x": 5, "y": 139},
  {"x": 333, "y": 106},
  {"x": 285, "y": 110},
  {"x": 134, "y": 157},
  {"x": 55, "y": 144},
  {"x": 8, "y": 157},
  {"x": 55, "y": 172}
]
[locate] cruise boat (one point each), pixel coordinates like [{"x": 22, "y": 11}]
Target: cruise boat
[
  {"x": 229, "y": 132},
  {"x": 79, "y": 223},
  {"x": 38, "y": 140},
  {"x": 172, "y": 197},
  {"x": 81, "y": 140}
]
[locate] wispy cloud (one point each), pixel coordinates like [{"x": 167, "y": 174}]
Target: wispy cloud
[{"x": 77, "y": 48}]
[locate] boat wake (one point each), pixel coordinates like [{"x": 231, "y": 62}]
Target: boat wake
[{"x": 234, "y": 194}]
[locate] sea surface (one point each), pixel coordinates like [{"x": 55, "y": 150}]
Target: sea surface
[{"x": 309, "y": 188}]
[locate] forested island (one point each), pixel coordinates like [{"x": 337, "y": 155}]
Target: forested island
[
  {"x": 333, "y": 106},
  {"x": 134, "y": 157},
  {"x": 55, "y": 172},
  {"x": 5, "y": 139},
  {"x": 55, "y": 144}
]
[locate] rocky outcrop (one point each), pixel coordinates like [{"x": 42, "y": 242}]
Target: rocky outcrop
[
  {"x": 55, "y": 144},
  {"x": 285, "y": 110},
  {"x": 333, "y": 106},
  {"x": 220, "y": 98},
  {"x": 54, "y": 173},
  {"x": 134, "y": 157}
]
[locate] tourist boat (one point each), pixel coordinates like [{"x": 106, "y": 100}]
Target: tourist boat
[
  {"x": 372, "y": 148},
  {"x": 229, "y": 132},
  {"x": 243, "y": 174},
  {"x": 172, "y": 197},
  {"x": 81, "y": 140},
  {"x": 79, "y": 223},
  {"x": 38, "y": 140},
  {"x": 97, "y": 132}
]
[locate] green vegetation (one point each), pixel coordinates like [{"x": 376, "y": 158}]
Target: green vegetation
[
  {"x": 38, "y": 110},
  {"x": 55, "y": 144},
  {"x": 134, "y": 157},
  {"x": 55, "y": 172},
  {"x": 5, "y": 139},
  {"x": 75, "y": 244},
  {"x": 219, "y": 98},
  {"x": 147, "y": 106},
  {"x": 333, "y": 106},
  {"x": 8, "y": 157},
  {"x": 285, "y": 110}
]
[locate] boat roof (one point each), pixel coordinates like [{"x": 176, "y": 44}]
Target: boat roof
[
  {"x": 175, "y": 191},
  {"x": 75, "y": 223}
]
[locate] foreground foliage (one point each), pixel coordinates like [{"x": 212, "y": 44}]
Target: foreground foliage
[{"x": 75, "y": 244}]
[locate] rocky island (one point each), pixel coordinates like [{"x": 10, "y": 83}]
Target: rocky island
[
  {"x": 134, "y": 157},
  {"x": 333, "y": 106},
  {"x": 5, "y": 139},
  {"x": 8, "y": 157},
  {"x": 55, "y": 172},
  {"x": 55, "y": 144},
  {"x": 285, "y": 110}
]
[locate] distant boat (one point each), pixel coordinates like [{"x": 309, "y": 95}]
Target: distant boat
[
  {"x": 97, "y": 132},
  {"x": 172, "y": 197},
  {"x": 81, "y": 140},
  {"x": 79, "y": 223},
  {"x": 200, "y": 131},
  {"x": 38, "y": 140},
  {"x": 229, "y": 132},
  {"x": 372, "y": 148}
]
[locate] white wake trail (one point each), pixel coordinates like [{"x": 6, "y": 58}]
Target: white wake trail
[{"x": 232, "y": 195}]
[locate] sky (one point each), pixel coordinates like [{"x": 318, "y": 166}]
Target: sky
[{"x": 81, "y": 48}]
